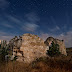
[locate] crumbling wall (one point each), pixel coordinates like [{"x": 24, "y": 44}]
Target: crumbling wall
[
  {"x": 61, "y": 44},
  {"x": 28, "y": 48},
  {"x": 33, "y": 47},
  {"x": 15, "y": 45}
]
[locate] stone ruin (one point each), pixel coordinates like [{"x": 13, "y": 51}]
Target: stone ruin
[
  {"x": 61, "y": 44},
  {"x": 14, "y": 45},
  {"x": 29, "y": 47}
]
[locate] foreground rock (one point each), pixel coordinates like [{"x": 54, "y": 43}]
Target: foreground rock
[{"x": 61, "y": 44}]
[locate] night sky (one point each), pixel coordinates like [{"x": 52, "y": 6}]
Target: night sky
[{"x": 41, "y": 17}]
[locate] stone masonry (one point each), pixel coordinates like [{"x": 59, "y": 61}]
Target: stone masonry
[
  {"x": 61, "y": 44},
  {"x": 28, "y": 48}
]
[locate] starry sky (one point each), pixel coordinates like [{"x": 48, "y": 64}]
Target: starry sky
[{"x": 41, "y": 17}]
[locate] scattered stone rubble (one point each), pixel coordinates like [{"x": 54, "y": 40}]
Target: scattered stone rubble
[{"x": 29, "y": 47}]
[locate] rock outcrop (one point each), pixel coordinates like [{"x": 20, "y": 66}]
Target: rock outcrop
[
  {"x": 61, "y": 44},
  {"x": 28, "y": 47}
]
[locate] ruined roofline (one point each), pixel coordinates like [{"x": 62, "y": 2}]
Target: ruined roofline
[
  {"x": 29, "y": 34},
  {"x": 49, "y": 38},
  {"x": 26, "y": 34}
]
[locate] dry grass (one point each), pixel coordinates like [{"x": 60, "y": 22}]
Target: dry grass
[
  {"x": 14, "y": 67},
  {"x": 40, "y": 65},
  {"x": 55, "y": 64}
]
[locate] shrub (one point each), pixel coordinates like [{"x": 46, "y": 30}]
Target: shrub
[
  {"x": 4, "y": 52},
  {"x": 53, "y": 50},
  {"x": 15, "y": 58}
]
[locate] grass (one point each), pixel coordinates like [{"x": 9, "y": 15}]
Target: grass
[
  {"x": 40, "y": 65},
  {"x": 55, "y": 64},
  {"x": 69, "y": 51}
]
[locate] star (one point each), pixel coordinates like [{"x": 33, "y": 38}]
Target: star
[
  {"x": 53, "y": 3},
  {"x": 63, "y": 4},
  {"x": 35, "y": 0},
  {"x": 59, "y": 3},
  {"x": 14, "y": 5},
  {"x": 67, "y": 4},
  {"x": 45, "y": 11},
  {"x": 67, "y": 0},
  {"x": 46, "y": 5},
  {"x": 42, "y": 10},
  {"x": 71, "y": 4},
  {"x": 8, "y": 2},
  {"x": 31, "y": 4},
  {"x": 39, "y": 4},
  {"x": 12, "y": 11}
]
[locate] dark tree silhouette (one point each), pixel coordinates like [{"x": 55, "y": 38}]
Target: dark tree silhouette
[{"x": 53, "y": 50}]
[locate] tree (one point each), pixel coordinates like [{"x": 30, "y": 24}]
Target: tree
[
  {"x": 4, "y": 50},
  {"x": 53, "y": 50}
]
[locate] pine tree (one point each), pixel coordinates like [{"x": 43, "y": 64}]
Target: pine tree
[{"x": 53, "y": 50}]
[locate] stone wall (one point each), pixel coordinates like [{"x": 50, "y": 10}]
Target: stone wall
[
  {"x": 28, "y": 48},
  {"x": 61, "y": 44}
]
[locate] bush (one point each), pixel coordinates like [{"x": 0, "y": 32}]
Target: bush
[
  {"x": 53, "y": 50},
  {"x": 3, "y": 52},
  {"x": 15, "y": 58}
]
